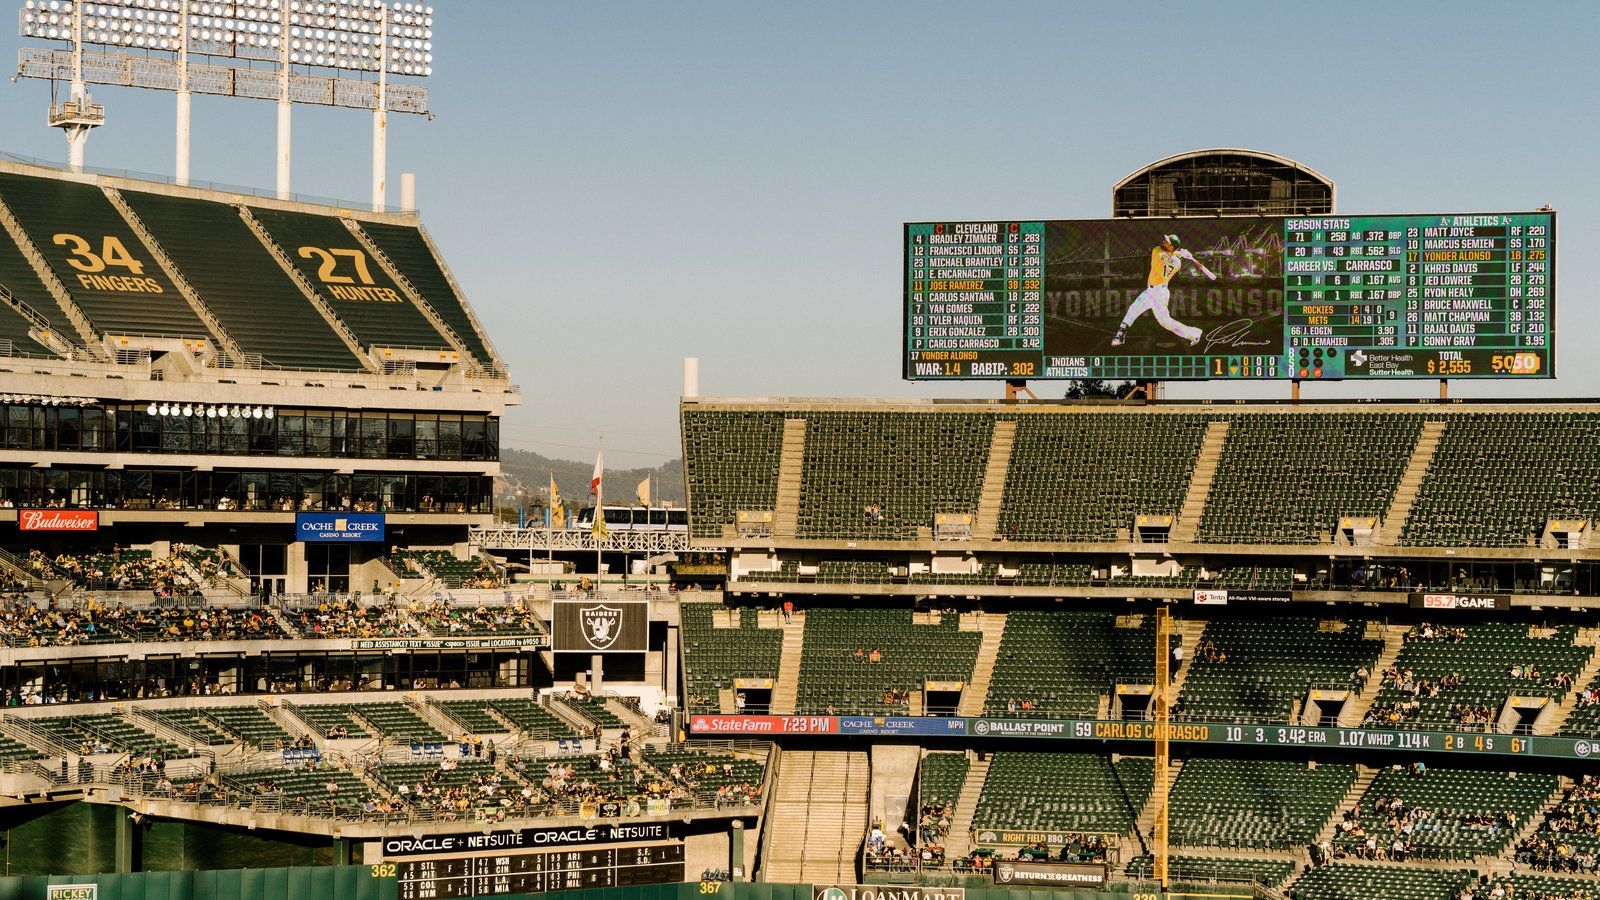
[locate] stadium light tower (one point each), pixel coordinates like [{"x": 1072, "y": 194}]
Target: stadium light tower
[{"x": 262, "y": 49}]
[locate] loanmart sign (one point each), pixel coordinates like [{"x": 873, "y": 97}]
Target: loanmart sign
[
  {"x": 885, "y": 892},
  {"x": 1434, "y": 743}
]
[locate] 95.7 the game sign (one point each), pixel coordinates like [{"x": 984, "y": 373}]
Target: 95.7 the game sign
[{"x": 1456, "y": 295}]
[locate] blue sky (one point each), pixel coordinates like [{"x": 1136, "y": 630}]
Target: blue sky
[{"x": 619, "y": 185}]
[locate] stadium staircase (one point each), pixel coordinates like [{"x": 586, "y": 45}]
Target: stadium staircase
[
  {"x": 307, "y": 290},
  {"x": 1355, "y": 709},
  {"x": 1144, "y": 826},
  {"x": 788, "y": 814},
  {"x": 994, "y": 484},
  {"x": 1405, "y": 494},
  {"x": 1587, "y": 637},
  {"x": 185, "y": 290},
  {"x": 959, "y": 842},
  {"x": 818, "y": 817},
  {"x": 1205, "y": 473},
  {"x": 14, "y": 568},
  {"x": 1189, "y": 633},
  {"x": 993, "y": 628},
  {"x": 87, "y": 335},
  {"x": 1364, "y": 778},
  {"x": 787, "y": 691},
  {"x": 791, "y": 471}
]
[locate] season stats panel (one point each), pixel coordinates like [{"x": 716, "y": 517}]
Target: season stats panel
[
  {"x": 1325, "y": 297},
  {"x": 1420, "y": 296}
]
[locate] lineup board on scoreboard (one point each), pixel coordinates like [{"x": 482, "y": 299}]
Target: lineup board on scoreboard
[
  {"x": 1456, "y": 295},
  {"x": 532, "y": 873}
]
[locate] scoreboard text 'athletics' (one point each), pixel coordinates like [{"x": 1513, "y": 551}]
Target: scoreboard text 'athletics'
[{"x": 1459, "y": 295}]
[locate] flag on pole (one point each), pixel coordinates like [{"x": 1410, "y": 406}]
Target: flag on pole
[
  {"x": 599, "y": 470},
  {"x": 642, "y": 493},
  {"x": 599, "y": 528},
  {"x": 558, "y": 509}
]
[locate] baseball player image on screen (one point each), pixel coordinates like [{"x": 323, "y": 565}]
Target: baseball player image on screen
[{"x": 1165, "y": 261}]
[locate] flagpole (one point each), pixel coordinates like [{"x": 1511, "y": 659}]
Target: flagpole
[{"x": 599, "y": 512}]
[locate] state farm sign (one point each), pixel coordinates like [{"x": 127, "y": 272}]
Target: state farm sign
[{"x": 58, "y": 520}]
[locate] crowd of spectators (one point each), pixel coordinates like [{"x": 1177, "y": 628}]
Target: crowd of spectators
[
  {"x": 441, "y": 618},
  {"x": 25, "y": 623},
  {"x": 119, "y": 570},
  {"x": 1552, "y": 848},
  {"x": 1508, "y": 889},
  {"x": 349, "y": 617}
]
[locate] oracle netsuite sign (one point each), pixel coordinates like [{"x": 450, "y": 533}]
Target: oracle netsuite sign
[
  {"x": 338, "y": 527},
  {"x": 58, "y": 520}
]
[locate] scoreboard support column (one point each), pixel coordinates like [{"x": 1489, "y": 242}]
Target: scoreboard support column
[
  {"x": 1015, "y": 389},
  {"x": 1444, "y": 389}
]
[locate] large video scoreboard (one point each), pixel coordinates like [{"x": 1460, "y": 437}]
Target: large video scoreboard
[
  {"x": 576, "y": 868},
  {"x": 1458, "y": 295}
]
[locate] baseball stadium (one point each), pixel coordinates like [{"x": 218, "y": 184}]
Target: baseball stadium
[{"x": 265, "y": 638}]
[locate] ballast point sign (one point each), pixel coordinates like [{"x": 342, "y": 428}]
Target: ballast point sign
[
  {"x": 58, "y": 520},
  {"x": 342, "y": 527}
]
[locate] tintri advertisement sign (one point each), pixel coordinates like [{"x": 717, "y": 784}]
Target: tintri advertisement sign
[{"x": 338, "y": 527}]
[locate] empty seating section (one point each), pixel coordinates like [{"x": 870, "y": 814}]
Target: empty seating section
[
  {"x": 1350, "y": 881},
  {"x": 594, "y": 709},
  {"x": 91, "y": 732},
  {"x": 1287, "y": 478},
  {"x": 731, "y": 460},
  {"x": 1203, "y": 869},
  {"x": 909, "y": 655},
  {"x": 853, "y": 571},
  {"x": 397, "y": 722},
  {"x": 251, "y": 724},
  {"x": 531, "y": 718},
  {"x": 1583, "y": 722},
  {"x": 472, "y": 716},
  {"x": 190, "y": 722},
  {"x": 1497, "y": 477},
  {"x": 239, "y": 281},
  {"x": 941, "y": 778},
  {"x": 14, "y": 339},
  {"x": 788, "y": 572},
  {"x": 1054, "y": 574},
  {"x": 1485, "y": 658},
  {"x": 326, "y": 717},
  {"x": 1255, "y": 670},
  {"x": 1278, "y": 578},
  {"x": 1077, "y": 792},
  {"x": 1266, "y": 805},
  {"x": 885, "y": 474},
  {"x": 1058, "y": 664},
  {"x": 1454, "y": 813},
  {"x": 1084, "y": 476},
  {"x": 713, "y": 657},
  {"x": 13, "y": 749},
  {"x": 19, "y": 279},
  {"x": 92, "y": 250},
  {"x": 409, "y": 253},
  {"x": 358, "y": 290}
]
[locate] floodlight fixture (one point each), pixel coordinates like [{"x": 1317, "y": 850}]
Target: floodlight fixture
[{"x": 219, "y": 46}]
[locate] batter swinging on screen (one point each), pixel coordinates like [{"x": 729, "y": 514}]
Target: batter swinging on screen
[{"x": 1165, "y": 261}]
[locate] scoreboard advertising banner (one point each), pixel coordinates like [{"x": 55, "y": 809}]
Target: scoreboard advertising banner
[{"x": 1390, "y": 296}]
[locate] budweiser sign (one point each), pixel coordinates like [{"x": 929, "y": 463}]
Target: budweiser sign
[{"x": 58, "y": 520}]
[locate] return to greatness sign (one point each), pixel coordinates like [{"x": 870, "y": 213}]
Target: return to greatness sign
[{"x": 1018, "y": 873}]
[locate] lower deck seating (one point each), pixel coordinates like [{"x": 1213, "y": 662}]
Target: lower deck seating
[
  {"x": 714, "y": 657},
  {"x": 1059, "y": 663},
  {"x": 941, "y": 778},
  {"x": 1202, "y": 869},
  {"x": 1077, "y": 792},
  {"x": 528, "y": 716},
  {"x": 908, "y": 656},
  {"x": 1350, "y": 881},
  {"x": 1255, "y": 670},
  {"x": 1261, "y": 804},
  {"x": 1451, "y": 813}
]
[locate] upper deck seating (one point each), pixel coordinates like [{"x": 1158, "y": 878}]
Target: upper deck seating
[
  {"x": 885, "y": 474},
  {"x": 408, "y": 251},
  {"x": 1085, "y": 476},
  {"x": 93, "y": 251},
  {"x": 356, "y": 288},
  {"x": 1496, "y": 478},
  {"x": 730, "y": 464},
  {"x": 1287, "y": 478},
  {"x": 19, "y": 279},
  {"x": 244, "y": 287}
]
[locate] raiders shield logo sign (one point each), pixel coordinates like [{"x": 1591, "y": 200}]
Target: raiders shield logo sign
[{"x": 601, "y": 625}]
